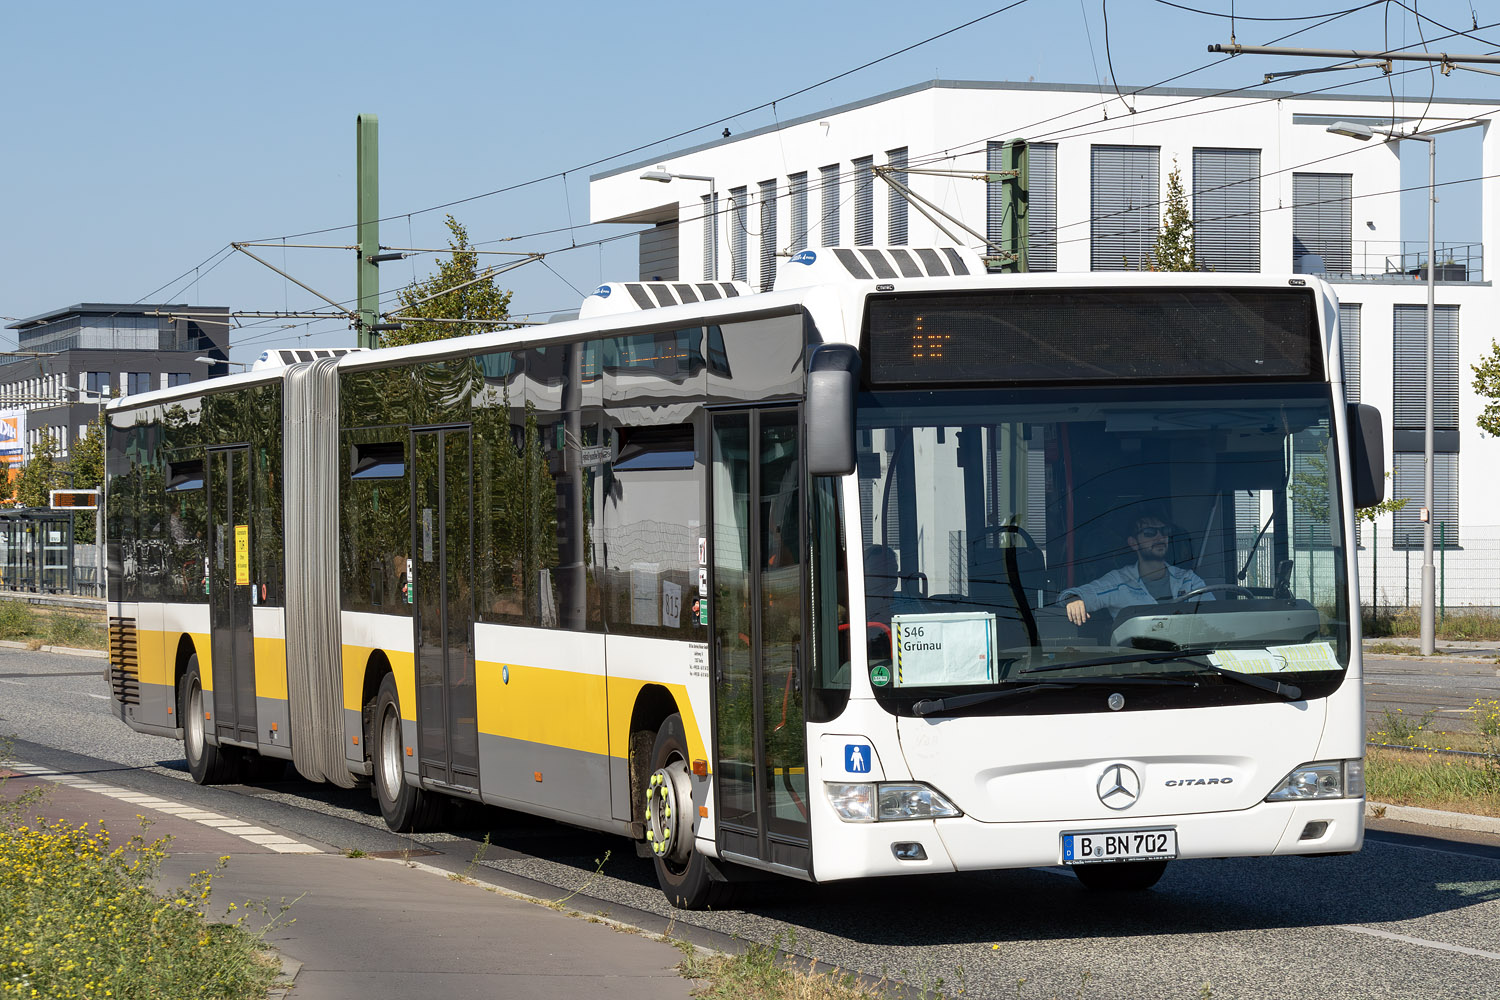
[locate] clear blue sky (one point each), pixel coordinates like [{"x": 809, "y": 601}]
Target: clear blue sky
[{"x": 139, "y": 139}]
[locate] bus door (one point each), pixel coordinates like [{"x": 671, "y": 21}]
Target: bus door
[
  {"x": 442, "y": 577},
  {"x": 229, "y": 588},
  {"x": 756, "y": 604}
]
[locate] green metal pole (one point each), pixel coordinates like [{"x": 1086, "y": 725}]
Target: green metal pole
[
  {"x": 367, "y": 207},
  {"x": 1015, "y": 156},
  {"x": 1443, "y": 570}
]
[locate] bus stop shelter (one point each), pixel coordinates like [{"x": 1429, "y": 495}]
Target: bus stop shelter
[{"x": 36, "y": 551}]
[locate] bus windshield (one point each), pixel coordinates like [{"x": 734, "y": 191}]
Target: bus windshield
[{"x": 1180, "y": 539}]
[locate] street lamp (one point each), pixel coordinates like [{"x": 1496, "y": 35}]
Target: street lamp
[
  {"x": 220, "y": 361},
  {"x": 1354, "y": 130},
  {"x": 711, "y": 217}
]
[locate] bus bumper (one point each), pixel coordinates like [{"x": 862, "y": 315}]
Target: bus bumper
[{"x": 965, "y": 844}]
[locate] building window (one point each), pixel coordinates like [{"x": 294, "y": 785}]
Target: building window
[
  {"x": 1321, "y": 222},
  {"x": 738, "y": 234},
  {"x": 1409, "y": 419},
  {"x": 711, "y": 237},
  {"x": 896, "y": 225},
  {"x": 767, "y": 235},
  {"x": 797, "y": 194},
  {"x": 178, "y": 378},
  {"x": 1226, "y": 209},
  {"x": 1349, "y": 346},
  {"x": 137, "y": 382},
  {"x": 864, "y": 201},
  {"x": 828, "y": 221},
  {"x": 1124, "y": 207},
  {"x": 1406, "y": 481},
  {"x": 1041, "y": 204}
]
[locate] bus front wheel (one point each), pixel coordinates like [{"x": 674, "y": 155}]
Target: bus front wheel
[
  {"x": 1120, "y": 876},
  {"x": 690, "y": 880},
  {"x": 404, "y": 808},
  {"x": 208, "y": 764}
]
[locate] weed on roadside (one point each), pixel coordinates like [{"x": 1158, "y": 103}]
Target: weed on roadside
[
  {"x": 764, "y": 972},
  {"x": 16, "y": 620},
  {"x": 1399, "y": 727},
  {"x": 1485, "y": 714}
]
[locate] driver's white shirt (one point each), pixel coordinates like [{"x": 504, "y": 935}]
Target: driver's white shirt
[{"x": 1123, "y": 588}]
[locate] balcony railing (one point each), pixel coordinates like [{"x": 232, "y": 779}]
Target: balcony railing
[{"x": 1385, "y": 260}]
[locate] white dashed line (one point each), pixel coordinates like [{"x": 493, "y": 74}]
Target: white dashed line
[
  {"x": 1423, "y": 942},
  {"x": 259, "y": 836}
]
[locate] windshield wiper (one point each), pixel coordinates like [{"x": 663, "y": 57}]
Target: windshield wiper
[
  {"x": 1288, "y": 691},
  {"x": 931, "y": 706},
  {"x": 1104, "y": 661}
]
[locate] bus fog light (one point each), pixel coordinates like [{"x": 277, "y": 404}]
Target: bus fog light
[
  {"x": 1320, "y": 780},
  {"x": 855, "y": 803},
  {"x": 1354, "y": 778},
  {"x": 1314, "y": 830},
  {"x": 914, "y": 801},
  {"x": 909, "y": 851}
]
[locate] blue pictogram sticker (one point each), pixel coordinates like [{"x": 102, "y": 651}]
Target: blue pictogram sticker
[
  {"x": 804, "y": 257},
  {"x": 602, "y": 291},
  {"x": 857, "y": 758}
]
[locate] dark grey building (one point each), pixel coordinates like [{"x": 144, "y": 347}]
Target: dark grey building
[{"x": 71, "y": 358}]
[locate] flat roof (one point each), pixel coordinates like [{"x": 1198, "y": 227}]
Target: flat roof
[
  {"x": 1073, "y": 88},
  {"x": 109, "y": 308}
]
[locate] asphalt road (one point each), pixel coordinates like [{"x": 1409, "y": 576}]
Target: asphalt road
[
  {"x": 1410, "y": 916},
  {"x": 1413, "y": 686}
]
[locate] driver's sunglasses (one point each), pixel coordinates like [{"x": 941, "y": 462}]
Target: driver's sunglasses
[{"x": 1154, "y": 531}]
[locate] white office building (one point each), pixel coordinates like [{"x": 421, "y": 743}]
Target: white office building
[{"x": 1270, "y": 190}]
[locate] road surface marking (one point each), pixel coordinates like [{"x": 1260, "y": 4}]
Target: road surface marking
[
  {"x": 1408, "y": 939},
  {"x": 250, "y": 833}
]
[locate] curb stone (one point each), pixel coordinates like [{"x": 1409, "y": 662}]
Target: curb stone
[
  {"x": 1433, "y": 817},
  {"x": 69, "y": 650},
  {"x": 282, "y": 985}
]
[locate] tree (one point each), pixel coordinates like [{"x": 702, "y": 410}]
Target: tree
[
  {"x": 85, "y": 471},
  {"x": 1487, "y": 384},
  {"x": 457, "y": 293},
  {"x": 1174, "y": 244},
  {"x": 41, "y": 474}
]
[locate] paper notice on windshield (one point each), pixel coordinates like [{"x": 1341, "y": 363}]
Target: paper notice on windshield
[
  {"x": 1300, "y": 658},
  {"x": 944, "y": 649}
]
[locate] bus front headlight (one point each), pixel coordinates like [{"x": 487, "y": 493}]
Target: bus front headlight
[
  {"x": 868, "y": 802},
  {"x": 1328, "y": 779}
]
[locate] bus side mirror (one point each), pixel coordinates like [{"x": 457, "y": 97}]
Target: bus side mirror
[
  {"x": 832, "y": 381},
  {"x": 1366, "y": 454}
]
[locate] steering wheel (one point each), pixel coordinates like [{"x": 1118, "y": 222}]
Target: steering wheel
[{"x": 1227, "y": 588}]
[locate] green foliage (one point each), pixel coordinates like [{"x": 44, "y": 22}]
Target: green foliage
[
  {"x": 41, "y": 474},
  {"x": 1387, "y": 506},
  {"x": 1174, "y": 243},
  {"x": 1485, "y": 714},
  {"x": 1433, "y": 781},
  {"x": 456, "y": 292},
  {"x": 79, "y": 918},
  {"x": 1397, "y": 728},
  {"x": 16, "y": 620},
  {"x": 1487, "y": 385}
]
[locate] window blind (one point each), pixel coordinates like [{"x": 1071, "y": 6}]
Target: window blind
[
  {"x": 864, "y": 201},
  {"x": 1124, "y": 207},
  {"x": 1321, "y": 217},
  {"x": 1226, "y": 209}
]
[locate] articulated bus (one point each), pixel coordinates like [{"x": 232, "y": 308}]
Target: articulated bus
[{"x": 901, "y": 567}]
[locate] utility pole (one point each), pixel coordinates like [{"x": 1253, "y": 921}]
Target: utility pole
[
  {"x": 367, "y": 199},
  {"x": 1014, "y": 178}
]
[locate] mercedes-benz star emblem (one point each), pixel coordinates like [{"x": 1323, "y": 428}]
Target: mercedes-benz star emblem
[{"x": 1119, "y": 787}]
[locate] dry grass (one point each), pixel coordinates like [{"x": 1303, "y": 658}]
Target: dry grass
[{"x": 1419, "y": 777}]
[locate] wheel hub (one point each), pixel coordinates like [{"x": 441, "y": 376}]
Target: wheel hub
[{"x": 669, "y": 822}]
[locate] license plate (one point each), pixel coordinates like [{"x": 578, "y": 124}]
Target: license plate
[{"x": 1118, "y": 845}]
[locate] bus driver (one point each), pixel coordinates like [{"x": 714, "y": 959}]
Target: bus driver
[{"x": 1148, "y": 580}]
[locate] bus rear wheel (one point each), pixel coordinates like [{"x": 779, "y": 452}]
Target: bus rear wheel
[
  {"x": 1120, "y": 876},
  {"x": 404, "y": 808},
  {"x": 208, "y": 764},
  {"x": 690, "y": 880}
]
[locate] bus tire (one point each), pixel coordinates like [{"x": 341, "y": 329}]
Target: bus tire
[
  {"x": 1120, "y": 876},
  {"x": 404, "y": 808},
  {"x": 208, "y": 764},
  {"x": 690, "y": 880}
]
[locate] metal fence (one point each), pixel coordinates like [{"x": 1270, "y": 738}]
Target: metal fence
[{"x": 1468, "y": 570}]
